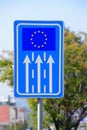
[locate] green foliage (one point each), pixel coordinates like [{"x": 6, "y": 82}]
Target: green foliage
[
  {"x": 60, "y": 111},
  {"x": 17, "y": 126},
  {"x": 6, "y": 67}
]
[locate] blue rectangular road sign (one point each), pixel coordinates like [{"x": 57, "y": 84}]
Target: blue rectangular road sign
[{"x": 39, "y": 59}]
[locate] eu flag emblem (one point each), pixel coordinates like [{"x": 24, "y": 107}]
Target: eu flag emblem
[{"x": 34, "y": 39}]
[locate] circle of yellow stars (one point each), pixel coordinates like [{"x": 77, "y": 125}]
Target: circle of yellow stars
[{"x": 33, "y": 35}]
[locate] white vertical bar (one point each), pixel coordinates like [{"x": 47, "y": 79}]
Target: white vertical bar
[
  {"x": 50, "y": 78},
  {"x": 39, "y": 78},
  {"x": 40, "y": 115},
  {"x": 44, "y": 56},
  {"x": 32, "y": 73},
  {"x": 44, "y": 73},
  {"x": 44, "y": 88},
  {"x": 32, "y": 88},
  {"x": 32, "y": 56}
]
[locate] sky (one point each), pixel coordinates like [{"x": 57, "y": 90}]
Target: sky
[{"x": 72, "y": 12}]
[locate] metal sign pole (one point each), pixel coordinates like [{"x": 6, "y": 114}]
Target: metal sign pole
[{"x": 39, "y": 114}]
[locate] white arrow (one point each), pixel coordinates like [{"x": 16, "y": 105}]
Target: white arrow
[
  {"x": 50, "y": 62},
  {"x": 38, "y": 62},
  {"x": 27, "y": 62}
]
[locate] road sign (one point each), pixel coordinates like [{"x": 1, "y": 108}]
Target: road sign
[{"x": 38, "y": 59}]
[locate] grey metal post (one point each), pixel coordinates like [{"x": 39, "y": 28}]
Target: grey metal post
[{"x": 39, "y": 114}]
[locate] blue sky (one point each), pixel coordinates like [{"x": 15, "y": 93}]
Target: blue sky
[{"x": 72, "y": 12}]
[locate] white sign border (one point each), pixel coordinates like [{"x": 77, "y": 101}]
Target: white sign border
[{"x": 39, "y": 94}]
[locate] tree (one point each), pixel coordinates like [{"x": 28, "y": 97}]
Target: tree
[
  {"x": 60, "y": 111},
  {"x": 6, "y": 67},
  {"x": 17, "y": 126}
]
